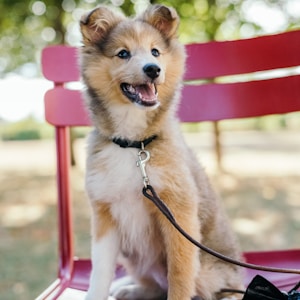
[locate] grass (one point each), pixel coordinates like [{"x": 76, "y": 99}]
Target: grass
[
  {"x": 28, "y": 237},
  {"x": 264, "y": 211}
]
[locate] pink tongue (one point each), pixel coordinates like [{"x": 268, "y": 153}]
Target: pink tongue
[{"x": 147, "y": 93}]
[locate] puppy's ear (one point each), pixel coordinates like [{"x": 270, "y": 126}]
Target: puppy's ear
[
  {"x": 163, "y": 18},
  {"x": 97, "y": 23}
]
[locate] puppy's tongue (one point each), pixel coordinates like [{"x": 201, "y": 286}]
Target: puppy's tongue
[{"x": 147, "y": 92}]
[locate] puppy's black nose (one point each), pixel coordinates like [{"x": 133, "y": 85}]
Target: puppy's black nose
[{"x": 152, "y": 70}]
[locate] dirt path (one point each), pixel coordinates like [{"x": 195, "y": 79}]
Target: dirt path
[{"x": 244, "y": 153}]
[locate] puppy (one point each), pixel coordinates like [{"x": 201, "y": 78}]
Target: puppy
[{"x": 132, "y": 70}]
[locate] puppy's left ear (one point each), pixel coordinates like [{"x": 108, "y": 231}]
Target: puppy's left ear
[
  {"x": 97, "y": 23},
  {"x": 164, "y": 19}
]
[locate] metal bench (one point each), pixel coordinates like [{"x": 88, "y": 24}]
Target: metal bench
[{"x": 204, "y": 98}]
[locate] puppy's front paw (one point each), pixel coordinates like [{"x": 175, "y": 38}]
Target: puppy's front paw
[
  {"x": 125, "y": 292},
  {"x": 134, "y": 292},
  {"x": 96, "y": 297}
]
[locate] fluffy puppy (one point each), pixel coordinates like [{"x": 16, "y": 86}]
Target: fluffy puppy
[{"x": 132, "y": 69}]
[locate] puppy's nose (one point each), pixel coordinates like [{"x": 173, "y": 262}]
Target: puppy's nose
[{"x": 152, "y": 70}]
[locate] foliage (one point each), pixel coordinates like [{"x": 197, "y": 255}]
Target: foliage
[
  {"x": 27, "y": 129},
  {"x": 31, "y": 129},
  {"x": 27, "y": 26}
]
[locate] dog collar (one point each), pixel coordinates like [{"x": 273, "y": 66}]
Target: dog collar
[{"x": 124, "y": 143}]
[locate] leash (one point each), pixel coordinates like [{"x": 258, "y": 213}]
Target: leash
[
  {"x": 149, "y": 192},
  {"x": 259, "y": 288}
]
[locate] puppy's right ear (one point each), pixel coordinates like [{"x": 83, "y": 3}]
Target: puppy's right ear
[{"x": 97, "y": 23}]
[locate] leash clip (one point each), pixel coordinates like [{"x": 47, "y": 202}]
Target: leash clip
[{"x": 143, "y": 156}]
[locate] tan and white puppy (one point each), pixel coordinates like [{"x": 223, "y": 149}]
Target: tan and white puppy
[{"x": 133, "y": 69}]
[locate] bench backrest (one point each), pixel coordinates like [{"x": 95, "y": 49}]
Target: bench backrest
[{"x": 205, "y": 97}]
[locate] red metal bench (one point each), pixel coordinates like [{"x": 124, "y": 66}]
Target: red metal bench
[{"x": 208, "y": 101}]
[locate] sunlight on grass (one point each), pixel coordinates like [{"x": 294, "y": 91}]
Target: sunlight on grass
[
  {"x": 19, "y": 215},
  {"x": 246, "y": 226}
]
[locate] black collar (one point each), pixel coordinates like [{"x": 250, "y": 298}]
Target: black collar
[{"x": 123, "y": 143}]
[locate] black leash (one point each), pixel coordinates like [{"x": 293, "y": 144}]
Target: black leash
[
  {"x": 259, "y": 288},
  {"x": 150, "y": 193}
]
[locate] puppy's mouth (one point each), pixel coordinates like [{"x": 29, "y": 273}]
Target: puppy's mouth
[{"x": 143, "y": 94}]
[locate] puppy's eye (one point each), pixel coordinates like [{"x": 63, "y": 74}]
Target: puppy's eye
[
  {"x": 124, "y": 54},
  {"x": 155, "y": 52}
]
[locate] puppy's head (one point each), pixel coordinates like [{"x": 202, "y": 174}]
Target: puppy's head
[{"x": 136, "y": 60}]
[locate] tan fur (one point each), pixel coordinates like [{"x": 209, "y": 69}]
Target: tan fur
[
  {"x": 124, "y": 222},
  {"x": 103, "y": 219}
]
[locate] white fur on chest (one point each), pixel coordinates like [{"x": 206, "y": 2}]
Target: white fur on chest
[
  {"x": 112, "y": 175},
  {"x": 119, "y": 182}
]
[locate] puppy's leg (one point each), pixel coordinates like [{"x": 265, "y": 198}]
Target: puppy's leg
[
  {"x": 105, "y": 249},
  {"x": 217, "y": 275},
  {"x": 137, "y": 292},
  {"x": 144, "y": 287},
  {"x": 120, "y": 283},
  {"x": 182, "y": 256}
]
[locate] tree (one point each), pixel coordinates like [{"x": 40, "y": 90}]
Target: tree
[{"x": 27, "y": 26}]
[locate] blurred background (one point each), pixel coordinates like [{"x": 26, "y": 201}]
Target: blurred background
[{"x": 259, "y": 174}]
